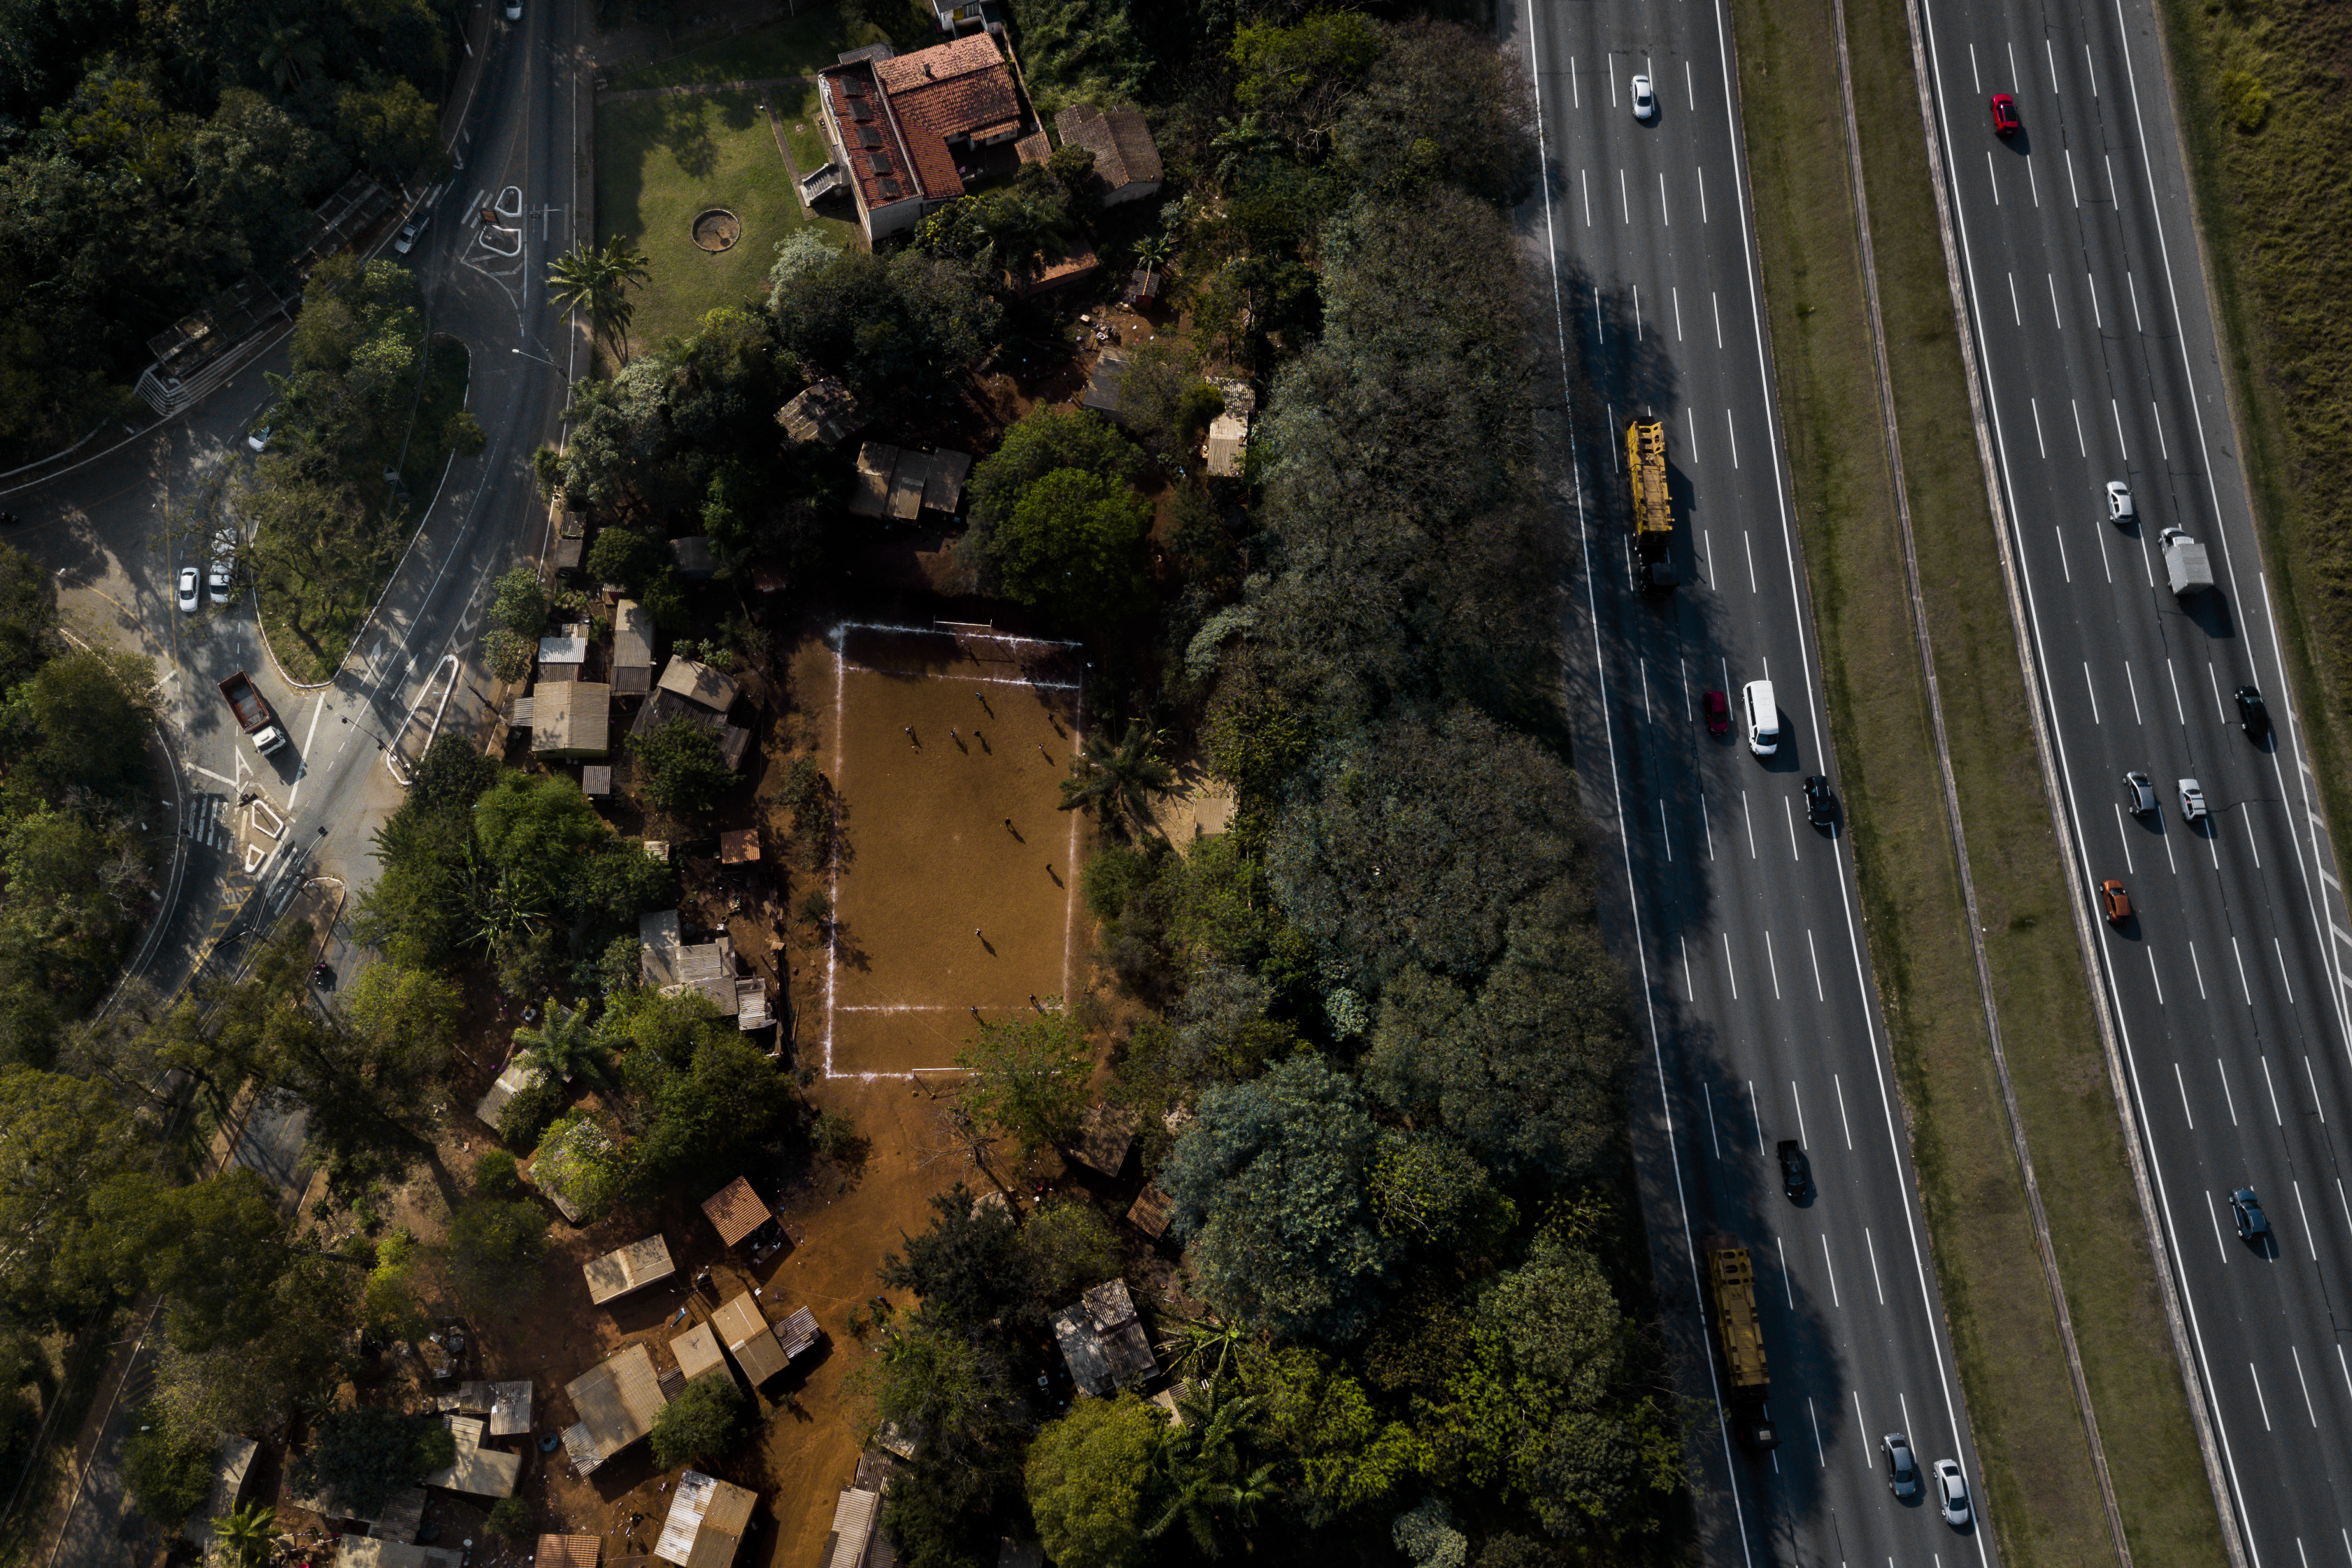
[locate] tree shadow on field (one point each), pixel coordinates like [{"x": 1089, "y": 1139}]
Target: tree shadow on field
[
  {"x": 845, "y": 948},
  {"x": 684, "y": 131}
]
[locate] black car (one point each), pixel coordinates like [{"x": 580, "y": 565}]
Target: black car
[
  {"x": 1796, "y": 1174},
  {"x": 2247, "y": 1209},
  {"x": 1821, "y": 806},
  {"x": 2253, "y": 718}
]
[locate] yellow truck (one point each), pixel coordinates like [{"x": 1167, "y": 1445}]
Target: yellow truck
[
  {"x": 1731, "y": 1286},
  {"x": 1653, "y": 513}
]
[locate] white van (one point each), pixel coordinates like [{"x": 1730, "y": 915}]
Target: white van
[{"x": 1763, "y": 717}]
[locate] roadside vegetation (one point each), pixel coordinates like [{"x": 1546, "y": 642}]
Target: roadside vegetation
[
  {"x": 2043, "y": 1496},
  {"x": 367, "y": 394},
  {"x": 2268, "y": 122},
  {"x": 152, "y": 156}
]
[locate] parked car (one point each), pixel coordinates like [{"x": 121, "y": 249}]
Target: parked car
[
  {"x": 217, "y": 580},
  {"x": 2115, "y": 901},
  {"x": 2253, "y": 1225},
  {"x": 2253, "y": 718},
  {"x": 188, "y": 599},
  {"x": 1645, "y": 101},
  {"x": 1902, "y": 1470},
  {"x": 411, "y": 232},
  {"x": 1719, "y": 713},
  {"x": 1952, "y": 1494},
  {"x": 258, "y": 437},
  {"x": 2005, "y": 122},
  {"x": 2139, "y": 795},
  {"x": 2119, "y": 502},
  {"x": 1821, "y": 806},
  {"x": 2192, "y": 800},
  {"x": 1796, "y": 1171}
]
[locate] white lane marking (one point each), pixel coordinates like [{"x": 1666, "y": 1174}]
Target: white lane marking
[
  {"x": 1831, "y": 1264},
  {"x": 1788, "y": 814},
  {"x": 2264, "y": 1058},
  {"x": 217, "y": 778},
  {"x": 2062, "y": 564},
  {"x": 2123, "y": 837},
  {"x": 2185, "y": 1112},
  {"x": 2179, "y": 712},
  {"x": 1822, "y": 996},
  {"x": 1624, "y": 201},
  {"x": 2049, "y": 50},
  {"x": 1637, "y": 313},
  {"x": 2131, "y": 287},
  {"x": 1613, "y": 81},
  {"x": 1733, "y": 974},
  {"x": 2308, "y": 1408},
  {"x": 1701, "y": 172},
  {"x": 1789, "y": 1292},
  {"x": 2219, "y": 706},
  {"x": 1690, "y": 431},
  {"x": 1755, "y": 1116},
  {"x": 1718, "y": 317},
  {"x": 2056, "y": 319},
  {"x": 1819, "y": 1458},
  {"x": 1731, "y": 433},
  {"x": 2120, "y": 446},
  {"x": 2346, "y": 1205},
  {"x": 2170, "y": 864},
  {"x": 1584, "y": 183},
  {"x": 2265, "y": 1403},
  {"x": 1666, "y": 213},
  {"x": 1991, "y": 178},
  {"x": 1690, "y": 85},
  {"x": 2163, "y": 448},
  {"x": 2236, "y": 953},
  {"x": 1576, "y": 98},
  {"x": 2198, "y": 969},
  {"x": 2032, "y": 180},
  {"x": 2105, "y": 566},
  {"x": 2214, "y": 1216},
  {"x": 2016, "y": 311},
  {"x": 2153, "y": 977},
  {"x": 1772, "y": 967},
  {"x": 1704, "y": 821},
  {"x": 2287, "y": 978},
  {"x": 1602, "y": 329},
  {"x": 1666, "y": 833},
  {"x": 1804, "y": 1139},
  {"x": 2134, "y": 684},
  {"x": 2035, "y": 404},
  {"x": 1876, "y": 1283},
  {"x": 1678, "y": 293},
  {"x": 2091, "y": 68},
  {"x": 1690, "y": 994},
  {"x": 2092, "y": 689},
  {"x": 2073, "y": 189},
  {"x": 1747, "y": 544},
  {"x": 2098, "y": 319},
  {"x": 1750, "y": 817},
  {"x": 1973, "y": 74},
  {"x": 1840, "y": 1090},
  {"x": 2081, "y": 446},
  {"x": 2310, "y": 1242},
  {"x": 2313, "y": 1079}
]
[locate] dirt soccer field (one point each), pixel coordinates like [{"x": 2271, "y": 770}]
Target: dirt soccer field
[{"x": 956, "y": 887}]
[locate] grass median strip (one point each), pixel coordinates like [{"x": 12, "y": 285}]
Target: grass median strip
[{"x": 2043, "y": 1499}]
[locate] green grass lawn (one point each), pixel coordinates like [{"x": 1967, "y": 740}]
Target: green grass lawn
[
  {"x": 802, "y": 116},
  {"x": 799, "y": 45},
  {"x": 660, "y": 162}
]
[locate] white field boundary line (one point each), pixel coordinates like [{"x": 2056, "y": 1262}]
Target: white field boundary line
[
  {"x": 841, "y": 668},
  {"x": 2147, "y": 1175},
  {"x": 1616, "y": 779}
]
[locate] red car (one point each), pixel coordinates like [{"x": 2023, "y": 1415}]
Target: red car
[
  {"x": 2005, "y": 122},
  {"x": 1718, "y": 715},
  {"x": 2117, "y": 904}
]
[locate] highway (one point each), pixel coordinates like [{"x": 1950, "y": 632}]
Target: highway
[
  {"x": 1738, "y": 922},
  {"x": 2097, "y": 360}
]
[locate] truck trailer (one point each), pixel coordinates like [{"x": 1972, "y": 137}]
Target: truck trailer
[
  {"x": 1739, "y": 1338},
  {"x": 1654, "y": 515},
  {"x": 2185, "y": 562}
]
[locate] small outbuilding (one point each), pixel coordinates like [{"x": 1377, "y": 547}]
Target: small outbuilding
[
  {"x": 1152, "y": 1211},
  {"x": 518, "y": 1075},
  {"x": 572, "y": 719},
  {"x": 825, "y": 412},
  {"x": 617, "y": 1400},
  {"x": 568, "y": 1552},
  {"x": 696, "y": 1351},
  {"x": 699, "y": 684},
  {"x": 564, "y": 656},
  {"x": 856, "y": 1513},
  {"x": 476, "y": 1471},
  {"x": 1103, "y": 1339},
  {"x": 1126, "y": 160},
  {"x": 694, "y": 558},
  {"x": 627, "y": 1269},
  {"x": 735, "y": 1211},
  {"x": 633, "y": 649},
  {"x": 1104, "y": 385},
  {"x": 231, "y": 1465},
  {"x": 744, "y": 1329},
  {"x": 1104, "y": 1138},
  {"x": 708, "y": 1518}
]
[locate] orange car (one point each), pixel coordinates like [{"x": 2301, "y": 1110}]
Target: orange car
[{"x": 2116, "y": 901}]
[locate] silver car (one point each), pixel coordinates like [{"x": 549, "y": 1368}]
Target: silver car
[
  {"x": 2192, "y": 800},
  {"x": 1952, "y": 1494},
  {"x": 2140, "y": 794},
  {"x": 2119, "y": 502}
]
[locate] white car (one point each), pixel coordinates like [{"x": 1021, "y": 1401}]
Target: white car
[
  {"x": 216, "y": 580},
  {"x": 258, "y": 438},
  {"x": 514, "y": 10},
  {"x": 411, "y": 232},
  {"x": 188, "y": 589},
  {"x": 1645, "y": 102},
  {"x": 2119, "y": 502},
  {"x": 1952, "y": 1492},
  {"x": 2192, "y": 799}
]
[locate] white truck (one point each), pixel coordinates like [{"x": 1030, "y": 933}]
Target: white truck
[{"x": 2185, "y": 563}]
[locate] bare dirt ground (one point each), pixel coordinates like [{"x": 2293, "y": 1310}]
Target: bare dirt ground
[{"x": 955, "y": 896}]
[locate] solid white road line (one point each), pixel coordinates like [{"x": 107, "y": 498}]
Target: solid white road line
[
  {"x": 2155, "y": 978},
  {"x": 2257, "y": 1378},
  {"x": 2016, "y": 310},
  {"x": 2310, "y": 1242},
  {"x": 2134, "y": 686},
  {"x": 2123, "y": 837},
  {"x": 2081, "y": 446},
  {"x": 2227, "y": 1097},
  {"x": 1838, "y": 1087},
  {"x": 1789, "y": 812},
  {"x": 2308, "y": 1408},
  {"x": 2092, "y": 689},
  {"x": 2277, "y": 1116},
  {"x": 2285, "y": 978},
  {"x": 2189, "y": 1115},
  {"x": 2313, "y": 1079},
  {"x": 1733, "y": 976},
  {"x": 2065, "y": 565},
  {"x": 2056, "y": 319},
  {"x": 1771, "y": 964},
  {"x": 1666, "y": 213},
  {"x": 1831, "y": 1264},
  {"x": 1820, "y": 996},
  {"x": 1875, "y": 1282},
  {"x": 2117, "y": 410},
  {"x": 2198, "y": 970},
  {"x": 1756, "y": 1115}
]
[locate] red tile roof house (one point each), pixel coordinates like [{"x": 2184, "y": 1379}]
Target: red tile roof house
[{"x": 898, "y": 123}]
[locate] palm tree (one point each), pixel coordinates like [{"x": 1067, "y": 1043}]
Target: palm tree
[
  {"x": 1153, "y": 250},
  {"x": 289, "y": 55},
  {"x": 245, "y": 1533},
  {"x": 564, "y": 1045},
  {"x": 596, "y": 282},
  {"x": 1208, "y": 1483},
  {"x": 1208, "y": 1349},
  {"x": 1119, "y": 784}
]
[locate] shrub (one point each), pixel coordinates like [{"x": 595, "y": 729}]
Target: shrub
[
  {"x": 702, "y": 1424},
  {"x": 495, "y": 1175}
]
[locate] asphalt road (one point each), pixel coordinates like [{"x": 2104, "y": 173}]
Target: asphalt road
[
  {"x": 1737, "y": 920},
  {"x": 115, "y": 533},
  {"x": 2097, "y": 355}
]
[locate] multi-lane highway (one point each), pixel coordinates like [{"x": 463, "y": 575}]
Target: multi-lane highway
[
  {"x": 1738, "y": 919},
  {"x": 2097, "y": 360}
]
